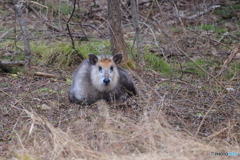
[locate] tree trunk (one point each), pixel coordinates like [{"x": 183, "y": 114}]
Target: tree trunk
[
  {"x": 115, "y": 21},
  {"x": 25, "y": 36}
]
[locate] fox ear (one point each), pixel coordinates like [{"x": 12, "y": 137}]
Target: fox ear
[
  {"x": 117, "y": 58},
  {"x": 93, "y": 59}
]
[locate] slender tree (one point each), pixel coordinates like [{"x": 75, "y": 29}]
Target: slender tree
[
  {"x": 21, "y": 22},
  {"x": 135, "y": 22},
  {"x": 115, "y": 23}
]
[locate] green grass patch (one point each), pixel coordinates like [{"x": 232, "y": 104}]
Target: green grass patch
[
  {"x": 232, "y": 71},
  {"x": 57, "y": 53},
  {"x": 227, "y": 12},
  {"x": 157, "y": 64},
  {"x": 65, "y": 9},
  {"x": 94, "y": 47},
  {"x": 176, "y": 30},
  {"x": 128, "y": 64},
  {"x": 212, "y": 28},
  {"x": 206, "y": 27},
  {"x": 40, "y": 48},
  {"x": 15, "y": 70},
  {"x": 61, "y": 54},
  {"x": 62, "y": 8},
  {"x": 44, "y": 90},
  {"x": 191, "y": 68}
]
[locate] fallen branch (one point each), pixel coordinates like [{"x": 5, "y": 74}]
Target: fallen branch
[
  {"x": 202, "y": 12},
  {"x": 4, "y": 65},
  {"x": 44, "y": 74},
  {"x": 12, "y": 63}
]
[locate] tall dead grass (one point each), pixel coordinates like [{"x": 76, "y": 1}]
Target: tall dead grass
[{"x": 108, "y": 133}]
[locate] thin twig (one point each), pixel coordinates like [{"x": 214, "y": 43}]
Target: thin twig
[{"x": 70, "y": 34}]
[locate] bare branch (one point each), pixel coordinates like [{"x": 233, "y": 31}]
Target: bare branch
[{"x": 69, "y": 32}]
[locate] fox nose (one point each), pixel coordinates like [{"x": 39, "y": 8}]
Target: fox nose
[{"x": 106, "y": 81}]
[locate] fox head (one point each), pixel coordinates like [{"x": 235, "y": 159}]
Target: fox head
[{"x": 104, "y": 71}]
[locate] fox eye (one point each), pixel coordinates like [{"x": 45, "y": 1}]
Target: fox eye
[
  {"x": 100, "y": 68},
  {"x": 111, "y": 68}
]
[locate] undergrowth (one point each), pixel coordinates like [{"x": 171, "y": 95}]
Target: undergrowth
[{"x": 61, "y": 54}]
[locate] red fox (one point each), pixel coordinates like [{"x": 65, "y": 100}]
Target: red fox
[{"x": 99, "y": 77}]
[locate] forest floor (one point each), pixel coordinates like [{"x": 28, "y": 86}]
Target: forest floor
[{"x": 181, "y": 111}]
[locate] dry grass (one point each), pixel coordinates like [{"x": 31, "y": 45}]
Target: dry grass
[
  {"x": 100, "y": 131},
  {"x": 107, "y": 136}
]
